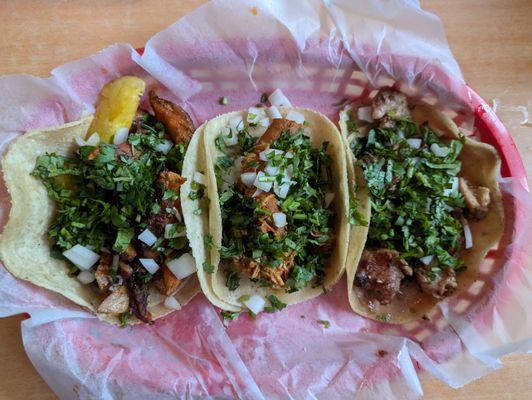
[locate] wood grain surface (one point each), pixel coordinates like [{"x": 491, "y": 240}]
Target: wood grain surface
[{"x": 491, "y": 39}]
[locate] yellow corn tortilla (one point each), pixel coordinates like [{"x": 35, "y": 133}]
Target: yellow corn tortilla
[
  {"x": 214, "y": 284},
  {"x": 480, "y": 166},
  {"x": 24, "y": 244}
]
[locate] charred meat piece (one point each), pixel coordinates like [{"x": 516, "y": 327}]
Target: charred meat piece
[
  {"x": 439, "y": 285},
  {"x": 167, "y": 283},
  {"x": 125, "y": 270},
  {"x": 129, "y": 254},
  {"x": 275, "y": 129},
  {"x": 92, "y": 155},
  {"x": 266, "y": 224},
  {"x": 157, "y": 222},
  {"x": 389, "y": 105},
  {"x": 138, "y": 296},
  {"x": 146, "y": 251},
  {"x": 177, "y": 122},
  {"x": 380, "y": 273},
  {"x": 102, "y": 272},
  {"x": 251, "y": 162},
  {"x": 116, "y": 303},
  {"x": 477, "y": 198},
  {"x": 171, "y": 180}
]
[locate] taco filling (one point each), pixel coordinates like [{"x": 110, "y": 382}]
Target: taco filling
[
  {"x": 118, "y": 220},
  {"x": 420, "y": 208},
  {"x": 275, "y": 193}
]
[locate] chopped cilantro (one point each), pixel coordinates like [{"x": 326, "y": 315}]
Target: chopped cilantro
[
  {"x": 232, "y": 280},
  {"x": 124, "y": 318},
  {"x": 229, "y": 315},
  {"x": 276, "y": 304},
  {"x": 326, "y": 324}
]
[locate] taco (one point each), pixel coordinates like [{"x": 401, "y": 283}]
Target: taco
[
  {"x": 95, "y": 208},
  {"x": 434, "y": 203},
  {"x": 276, "y": 229}
]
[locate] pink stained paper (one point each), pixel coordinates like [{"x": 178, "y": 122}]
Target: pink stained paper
[{"x": 322, "y": 54}]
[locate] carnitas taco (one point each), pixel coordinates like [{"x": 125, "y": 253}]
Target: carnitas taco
[
  {"x": 277, "y": 211},
  {"x": 95, "y": 208},
  {"x": 436, "y": 207}
]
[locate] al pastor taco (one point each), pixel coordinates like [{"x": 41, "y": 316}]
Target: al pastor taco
[
  {"x": 95, "y": 208},
  {"x": 436, "y": 208}
]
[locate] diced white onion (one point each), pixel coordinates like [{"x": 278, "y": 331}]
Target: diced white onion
[
  {"x": 171, "y": 303},
  {"x": 121, "y": 135},
  {"x": 256, "y": 193},
  {"x": 447, "y": 192},
  {"x": 236, "y": 124},
  {"x": 147, "y": 237},
  {"x": 415, "y": 160},
  {"x": 255, "y": 114},
  {"x": 274, "y": 113},
  {"x": 271, "y": 170},
  {"x": 93, "y": 139},
  {"x": 229, "y": 136},
  {"x": 439, "y": 151},
  {"x": 401, "y": 135},
  {"x": 364, "y": 114},
  {"x": 80, "y": 142},
  {"x": 171, "y": 233},
  {"x": 279, "y": 219},
  {"x": 426, "y": 260},
  {"x": 278, "y": 99},
  {"x": 200, "y": 178},
  {"x": 255, "y": 303},
  {"x": 414, "y": 143},
  {"x": 149, "y": 263},
  {"x": 263, "y": 155},
  {"x": 86, "y": 277},
  {"x": 183, "y": 266},
  {"x": 265, "y": 186},
  {"x": 454, "y": 181},
  {"x": 116, "y": 259},
  {"x": 248, "y": 178},
  {"x": 165, "y": 146},
  {"x": 265, "y": 122},
  {"x": 81, "y": 256},
  {"x": 295, "y": 116},
  {"x": 467, "y": 234},
  {"x": 119, "y": 186},
  {"x": 289, "y": 154},
  {"x": 329, "y": 197},
  {"x": 281, "y": 190}
]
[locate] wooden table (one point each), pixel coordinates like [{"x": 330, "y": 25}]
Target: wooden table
[{"x": 492, "y": 40}]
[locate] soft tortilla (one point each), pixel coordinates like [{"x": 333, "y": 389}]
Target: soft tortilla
[
  {"x": 480, "y": 166},
  {"x": 24, "y": 244},
  {"x": 321, "y": 129}
]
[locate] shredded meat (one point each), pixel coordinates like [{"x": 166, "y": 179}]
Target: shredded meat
[
  {"x": 477, "y": 198},
  {"x": 442, "y": 285},
  {"x": 275, "y": 129},
  {"x": 380, "y": 273},
  {"x": 277, "y": 276},
  {"x": 102, "y": 272},
  {"x": 167, "y": 284},
  {"x": 177, "y": 122},
  {"x": 266, "y": 224},
  {"x": 92, "y": 155},
  {"x": 251, "y": 162},
  {"x": 389, "y": 105},
  {"x": 171, "y": 180},
  {"x": 116, "y": 303},
  {"x": 147, "y": 251}
]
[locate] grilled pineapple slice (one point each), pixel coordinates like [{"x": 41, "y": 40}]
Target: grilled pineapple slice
[{"x": 117, "y": 106}]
